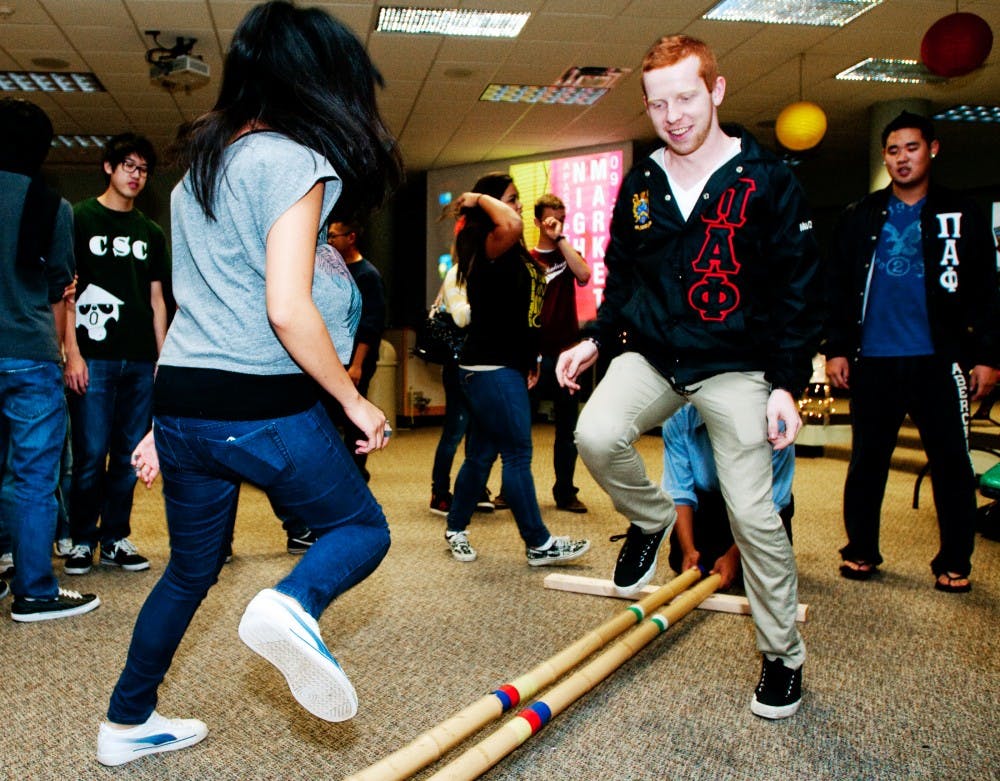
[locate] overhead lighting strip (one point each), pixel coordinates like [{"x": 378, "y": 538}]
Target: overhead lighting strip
[
  {"x": 970, "y": 113},
  {"x": 890, "y": 71},
  {"x": 551, "y": 95},
  {"x": 451, "y": 21},
  {"x": 79, "y": 142},
  {"x": 42, "y": 81},
  {"x": 818, "y": 13}
]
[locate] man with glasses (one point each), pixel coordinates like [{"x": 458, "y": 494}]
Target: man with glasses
[{"x": 113, "y": 337}]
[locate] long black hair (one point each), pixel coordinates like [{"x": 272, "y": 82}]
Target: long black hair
[
  {"x": 302, "y": 73},
  {"x": 476, "y": 224}
]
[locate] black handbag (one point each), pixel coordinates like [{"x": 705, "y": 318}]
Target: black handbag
[{"x": 439, "y": 340}]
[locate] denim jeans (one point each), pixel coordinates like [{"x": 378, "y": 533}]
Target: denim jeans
[
  {"x": 500, "y": 421},
  {"x": 302, "y": 465},
  {"x": 565, "y": 412},
  {"x": 32, "y": 431},
  {"x": 108, "y": 421},
  {"x": 456, "y": 421}
]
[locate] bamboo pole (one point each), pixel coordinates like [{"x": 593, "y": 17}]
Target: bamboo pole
[
  {"x": 433, "y": 744},
  {"x": 488, "y": 752}
]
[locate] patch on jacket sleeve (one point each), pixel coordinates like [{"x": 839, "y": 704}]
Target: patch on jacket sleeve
[{"x": 640, "y": 211}]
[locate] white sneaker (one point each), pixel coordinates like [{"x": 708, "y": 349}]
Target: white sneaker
[
  {"x": 64, "y": 546},
  {"x": 6, "y": 563},
  {"x": 157, "y": 734},
  {"x": 275, "y": 626},
  {"x": 460, "y": 547}
]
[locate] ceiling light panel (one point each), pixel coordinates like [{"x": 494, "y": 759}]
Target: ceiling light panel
[
  {"x": 551, "y": 95},
  {"x": 819, "y": 13},
  {"x": 970, "y": 113},
  {"x": 890, "y": 71},
  {"x": 40, "y": 81},
  {"x": 451, "y": 21}
]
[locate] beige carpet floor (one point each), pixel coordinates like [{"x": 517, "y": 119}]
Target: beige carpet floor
[{"x": 901, "y": 681}]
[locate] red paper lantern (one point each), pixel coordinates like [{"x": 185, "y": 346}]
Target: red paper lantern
[{"x": 956, "y": 44}]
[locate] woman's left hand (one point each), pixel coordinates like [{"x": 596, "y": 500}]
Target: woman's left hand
[
  {"x": 371, "y": 420},
  {"x": 534, "y": 374},
  {"x": 145, "y": 461}
]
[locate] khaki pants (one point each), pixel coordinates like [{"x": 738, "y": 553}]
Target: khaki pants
[{"x": 634, "y": 398}]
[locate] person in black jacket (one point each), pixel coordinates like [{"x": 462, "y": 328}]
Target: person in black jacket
[
  {"x": 912, "y": 292},
  {"x": 712, "y": 280}
]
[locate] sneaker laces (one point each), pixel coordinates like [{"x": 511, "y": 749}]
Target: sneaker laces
[
  {"x": 125, "y": 545},
  {"x": 459, "y": 541},
  {"x": 70, "y": 594},
  {"x": 79, "y": 550}
]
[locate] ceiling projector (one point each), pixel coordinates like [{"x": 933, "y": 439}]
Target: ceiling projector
[{"x": 184, "y": 71}]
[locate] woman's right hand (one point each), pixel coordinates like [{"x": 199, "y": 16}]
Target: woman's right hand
[
  {"x": 371, "y": 420},
  {"x": 466, "y": 201}
]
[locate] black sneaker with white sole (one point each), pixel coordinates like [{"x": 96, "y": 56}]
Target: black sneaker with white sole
[
  {"x": 561, "y": 549},
  {"x": 65, "y": 604},
  {"x": 123, "y": 554},
  {"x": 300, "y": 543},
  {"x": 637, "y": 560},
  {"x": 779, "y": 692},
  {"x": 79, "y": 561}
]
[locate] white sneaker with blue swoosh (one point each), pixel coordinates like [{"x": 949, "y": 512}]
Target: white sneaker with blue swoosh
[
  {"x": 155, "y": 735},
  {"x": 276, "y": 627}
]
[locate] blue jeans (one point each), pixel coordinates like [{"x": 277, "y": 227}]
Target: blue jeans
[
  {"x": 500, "y": 421},
  {"x": 302, "y": 465},
  {"x": 456, "y": 421},
  {"x": 32, "y": 431},
  {"x": 108, "y": 421}
]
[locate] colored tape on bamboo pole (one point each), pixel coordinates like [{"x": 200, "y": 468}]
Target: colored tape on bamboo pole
[
  {"x": 437, "y": 741},
  {"x": 488, "y": 752}
]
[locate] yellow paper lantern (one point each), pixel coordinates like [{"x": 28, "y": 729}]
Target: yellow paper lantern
[{"x": 800, "y": 126}]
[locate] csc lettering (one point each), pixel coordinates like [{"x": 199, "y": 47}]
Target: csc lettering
[{"x": 121, "y": 247}]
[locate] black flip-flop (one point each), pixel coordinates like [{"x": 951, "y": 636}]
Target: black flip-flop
[
  {"x": 851, "y": 573},
  {"x": 950, "y": 587}
]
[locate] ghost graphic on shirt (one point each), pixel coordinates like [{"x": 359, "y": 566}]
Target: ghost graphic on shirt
[{"x": 94, "y": 308}]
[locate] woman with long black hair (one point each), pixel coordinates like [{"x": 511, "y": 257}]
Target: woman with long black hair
[
  {"x": 499, "y": 363},
  {"x": 265, "y": 315}
]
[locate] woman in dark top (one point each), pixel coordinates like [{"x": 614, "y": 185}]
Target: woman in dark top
[{"x": 498, "y": 365}]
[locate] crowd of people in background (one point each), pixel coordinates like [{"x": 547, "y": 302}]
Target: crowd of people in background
[{"x": 266, "y": 365}]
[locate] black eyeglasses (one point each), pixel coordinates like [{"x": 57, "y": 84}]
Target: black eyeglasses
[
  {"x": 337, "y": 235},
  {"x": 130, "y": 167}
]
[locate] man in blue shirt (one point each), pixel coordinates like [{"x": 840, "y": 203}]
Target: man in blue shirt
[
  {"x": 702, "y": 535},
  {"x": 913, "y": 328}
]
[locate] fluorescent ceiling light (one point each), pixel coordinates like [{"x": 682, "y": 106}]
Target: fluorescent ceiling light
[
  {"x": 552, "y": 95},
  {"x": 451, "y": 21},
  {"x": 39, "y": 81},
  {"x": 968, "y": 113},
  {"x": 79, "y": 142},
  {"x": 820, "y": 13},
  {"x": 890, "y": 71}
]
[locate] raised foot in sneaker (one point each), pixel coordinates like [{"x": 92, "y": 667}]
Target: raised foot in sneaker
[
  {"x": 561, "y": 549},
  {"x": 441, "y": 504},
  {"x": 123, "y": 554},
  {"x": 460, "y": 547},
  {"x": 300, "y": 543},
  {"x": 779, "y": 692},
  {"x": 156, "y": 735},
  {"x": 636, "y": 561},
  {"x": 65, "y": 604},
  {"x": 275, "y": 626}
]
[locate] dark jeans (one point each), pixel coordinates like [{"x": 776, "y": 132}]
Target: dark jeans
[
  {"x": 933, "y": 392},
  {"x": 32, "y": 431},
  {"x": 456, "y": 421},
  {"x": 108, "y": 421},
  {"x": 500, "y": 421},
  {"x": 565, "y": 411},
  {"x": 302, "y": 465}
]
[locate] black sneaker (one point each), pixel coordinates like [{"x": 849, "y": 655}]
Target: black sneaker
[
  {"x": 125, "y": 555},
  {"x": 779, "y": 693},
  {"x": 484, "y": 504},
  {"x": 441, "y": 504},
  {"x": 300, "y": 543},
  {"x": 79, "y": 561},
  {"x": 67, "y": 603},
  {"x": 636, "y": 560},
  {"x": 561, "y": 549},
  {"x": 499, "y": 503}
]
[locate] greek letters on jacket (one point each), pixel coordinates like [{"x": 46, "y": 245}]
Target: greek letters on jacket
[
  {"x": 731, "y": 288},
  {"x": 963, "y": 304}
]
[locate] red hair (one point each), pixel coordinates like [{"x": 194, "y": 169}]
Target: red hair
[{"x": 671, "y": 49}]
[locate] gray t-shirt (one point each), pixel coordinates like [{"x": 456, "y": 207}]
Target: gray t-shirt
[
  {"x": 27, "y": 328},
  {"x": 219, "y": 266}
]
